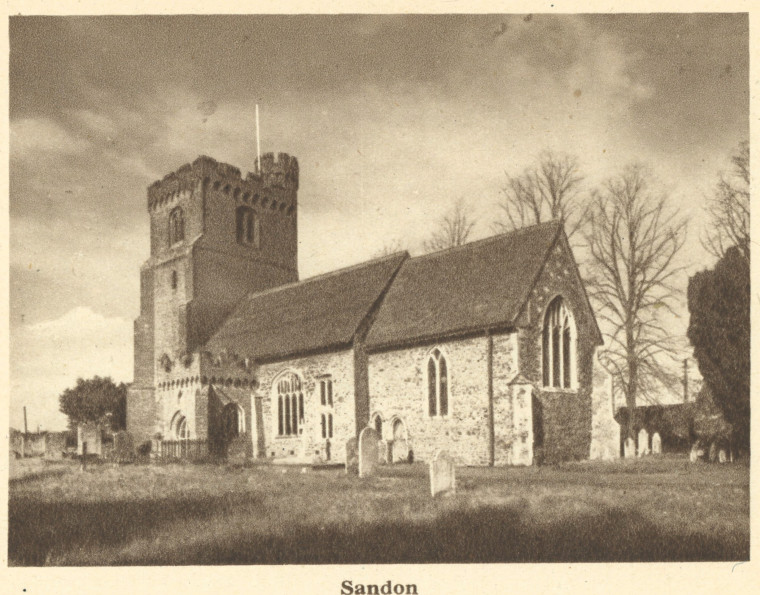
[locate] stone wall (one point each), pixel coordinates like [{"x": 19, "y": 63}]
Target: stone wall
[
  {"x": 398, "y": 390},
  {"x": 142, "y": 414},
  {"x": 565, "y": 413},
  {"x": 339, "y": 366}
]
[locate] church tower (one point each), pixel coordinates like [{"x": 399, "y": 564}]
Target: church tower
[{"x": 215, "y": 236}]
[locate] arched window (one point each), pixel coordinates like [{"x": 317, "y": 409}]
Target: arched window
[
  {"x": 378, "y": 424},
  {"x": 438, "y": 384},
  {"x": 558, "y": 346},
  {"x": 176, "y": 226},
  {"x": 179, "y": 426},
  {"x": 247, "y": 226},
  {"x": 289, "y": 405}
]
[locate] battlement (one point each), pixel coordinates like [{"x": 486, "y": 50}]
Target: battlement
[{"x": 278, "y": 173}]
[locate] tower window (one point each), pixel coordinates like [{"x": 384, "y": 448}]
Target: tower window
[
  {"x": 247, "y": 226},
  {"x": 176, "y": 226},
  {"x": 174, "y": 279},
  {"x": 558, "y": 346}
]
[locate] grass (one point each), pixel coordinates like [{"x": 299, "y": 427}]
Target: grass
[{"x": 649, "y": 510}]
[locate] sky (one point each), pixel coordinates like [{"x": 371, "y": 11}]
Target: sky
[{"x": 393, "y": 119}]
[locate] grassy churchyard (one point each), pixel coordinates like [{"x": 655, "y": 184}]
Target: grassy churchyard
[{"x": 643, "y": 510}]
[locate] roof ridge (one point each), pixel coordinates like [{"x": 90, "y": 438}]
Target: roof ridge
[
  {"x": 327, "y": 275},
  {"x": 492, "y": 238}
]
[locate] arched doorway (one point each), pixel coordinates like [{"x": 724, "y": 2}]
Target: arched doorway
[{"x": 232, "y": 427}]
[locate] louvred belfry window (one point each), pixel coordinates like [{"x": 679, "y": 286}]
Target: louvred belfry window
[{"x": 176, "y": 226}]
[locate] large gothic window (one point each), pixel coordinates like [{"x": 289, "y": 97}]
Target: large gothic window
[
  {"x": 438, "y": 384},
  {"x": 289, "y": 405},
  {"x": 558, "y": 346},
  {"x": 176, "y": 226},
  {"x": 247, "y": 226}
]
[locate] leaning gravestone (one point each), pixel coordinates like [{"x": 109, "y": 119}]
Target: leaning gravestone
[
  {"x": 352, "y": 455},
  {"x": 368, "y": 440},
  {"x": 656, "y": 444},
  {"x": 629, "y": 448},
  {"x": 442, "y": 475}
]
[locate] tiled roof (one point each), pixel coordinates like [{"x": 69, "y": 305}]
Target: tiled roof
[
  {"x": 310, "y": 315},
  {"x": 475, "y": 286}
]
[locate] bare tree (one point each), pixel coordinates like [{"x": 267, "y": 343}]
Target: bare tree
[
  {"x": 454, "y": 229},
  {"x": 549, "y": 190},
  {"x": 633, "y": 243},
  {"x": 728, "y": 210},
  {"x": 390, "y": 247}
]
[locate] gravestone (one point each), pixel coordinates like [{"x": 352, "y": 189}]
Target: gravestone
[
  {"x": 722, "y": 455},
  {"x": 629, "y": 448},
  {"x": 656, "y": 444},
  {"x": 643, "y": 442},
  {"x": 352, "y": 455},
  {"x": 368, "y": 440},
  {"x": 442, "y": 475},
  {"x": 123, "y": 447},
  {"x": 696, "y": 452}
]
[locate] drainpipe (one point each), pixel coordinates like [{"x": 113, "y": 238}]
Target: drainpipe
[{"x": 491, "y": 437}]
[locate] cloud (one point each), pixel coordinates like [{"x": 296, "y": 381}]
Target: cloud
[
  {"x": 32, "y": 137},
  {"x": 49, "y": 356}
]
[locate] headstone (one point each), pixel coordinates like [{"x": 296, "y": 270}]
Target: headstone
[
  {"x": 696, "y": 452},
  {"x": 643, "y": 442},
  {"x": 722, "y": 455},
  {"x": 442, "y": 475},
  {"x": 400, "y": 450},
  {"x": 656, "y": 444},
  {"x": 713, "y": 453},
  {"x": 123, "y": 447},
  {"x": 352, "y": 455},
  {"x": 629, "y": 449},
  {"x": 368, "y": 440}
]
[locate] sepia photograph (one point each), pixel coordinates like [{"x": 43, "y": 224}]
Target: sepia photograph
[{"x": 378, "y": 289}]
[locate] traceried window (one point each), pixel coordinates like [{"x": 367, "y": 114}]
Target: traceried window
[
  {"x": 289, "y": 405},
  {"x": 438, "y": 384},
  {"x": 247, "y": 226},
  {"x": 558, "y": 346},
  {"x": 176, "y": 226},
  {"x": 326, "y": 401}
]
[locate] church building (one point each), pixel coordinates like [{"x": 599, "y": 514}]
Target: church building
[{"x": 486, "y": 350}]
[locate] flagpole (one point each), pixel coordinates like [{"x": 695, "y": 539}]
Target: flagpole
[{"x": 258, "y": 142}]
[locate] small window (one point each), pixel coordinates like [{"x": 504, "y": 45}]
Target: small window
[
  {"x": 326, "y": 400},
  {"x": 174, "y": 279},
  {"x": 176, "y": 226},
  {"x": 247, "y": 226},
  {"x": 438, "y": 384}
]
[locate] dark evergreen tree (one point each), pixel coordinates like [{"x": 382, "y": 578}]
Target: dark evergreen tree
[{"x": 719, "y": 330}]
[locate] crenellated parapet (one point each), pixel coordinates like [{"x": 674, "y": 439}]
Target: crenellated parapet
[{"x": 273, "y": 187}]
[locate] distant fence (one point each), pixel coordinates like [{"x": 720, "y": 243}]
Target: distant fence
[{"x": 183, "y": 449}]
